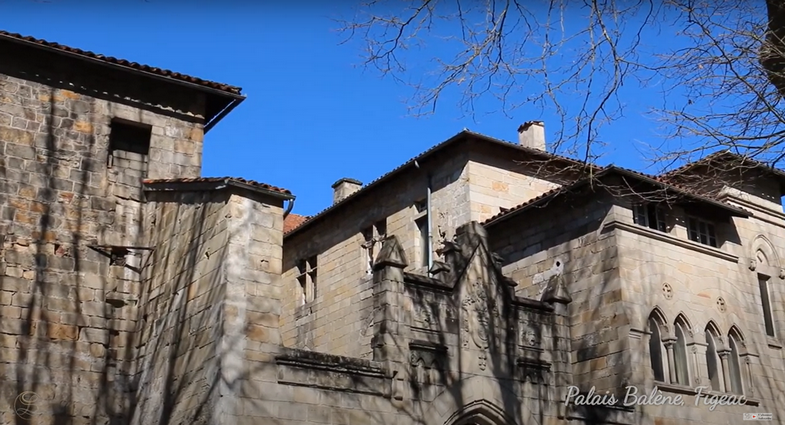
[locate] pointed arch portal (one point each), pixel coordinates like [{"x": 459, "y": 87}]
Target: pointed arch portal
[{"x": 480, "y": 412}]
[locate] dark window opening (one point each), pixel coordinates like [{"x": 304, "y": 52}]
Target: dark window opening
[
  {"x": 651, "y": 216},
  {"x": 701, "y": 232},
  {"x": 306, "y": 278},
  {"x": 130, "y": 137},
  {"x": 765, "y": 299}
]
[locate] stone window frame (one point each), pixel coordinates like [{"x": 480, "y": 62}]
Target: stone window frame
[
  {"x": 657, "y": 327},
  {"x": 764, "y": 290},
  {"x": 682, "y": 369},
  {"x": 735, "y": 345},
  {"x": 372, "y": 235},
  {"x": 711, "y": 231},
  {"x": 714, "y": 346},
  {"x": 307, "y": 280},
  {"x": 120, "y": 127},
  {"x": 765, "y": 265},
  {"x": 420, "y": 220},
  {"x": 641, "y": 215},
  {"x": 670, "y": 361}
]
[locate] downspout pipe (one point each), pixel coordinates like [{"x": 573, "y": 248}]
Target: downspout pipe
[
  {"x": 289, "y": 208},
  {"x": 430, "y": 224}
]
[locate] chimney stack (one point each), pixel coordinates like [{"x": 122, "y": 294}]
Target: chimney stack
[
  {"x": 345, "y": 187},
  {"x": 532, "y": 135}
]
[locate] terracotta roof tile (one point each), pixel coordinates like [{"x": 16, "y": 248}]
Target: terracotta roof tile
[
  {"x": 721, "y": 156},
  {"x": 608, "y": 170},
  {"x": 292, "y": 221},
  {"x": 125, "y": 63},
  {"x": 255, "y": 184}
]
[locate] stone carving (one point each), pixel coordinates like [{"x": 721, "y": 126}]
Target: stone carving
[
  {"x": 422, "y": 314},
  {"x": 721, "y": 304},
  {"x": 529, "y": 337},
  {"x": 542, "y": 279},
  {"x": 753, "y": 264},
  {"x": 667, "y": 291},
  {"x": 478, "y": 309},
  {"x": 782, "y": 273}
]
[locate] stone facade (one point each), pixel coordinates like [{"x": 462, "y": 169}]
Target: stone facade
[{"x": 482, "y": 282}]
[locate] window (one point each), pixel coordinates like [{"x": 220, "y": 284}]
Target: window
[
  {"x": 734, "y": 367},
  {"x": 680, "y": 356},
  {"x": 655, "y": 351},
  {"x": 765, "y": 300},
  {"x": 129, "y": 144},
  {"x": 701, "y": 232},
  {"x": 371, "y": 237},
  {"x": 713, "y": 361},
  {"x": 421, "y": 219},
  {"x": 651, "y": 216},
  {"x": 307, "y": 280}
]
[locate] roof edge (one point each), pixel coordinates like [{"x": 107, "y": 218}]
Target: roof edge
[
  {"x": 233, "y": 93},
  {"x": 207, "y": 185},
  {"x": 462, "y": 135}
]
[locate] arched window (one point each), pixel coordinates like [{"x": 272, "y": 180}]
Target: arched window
[
  {"x": 656, "y": 352},
  {"x": 680, "y": 355},
  {"x": 713, "y": 361},
  {"x": 734, "y": 365}
]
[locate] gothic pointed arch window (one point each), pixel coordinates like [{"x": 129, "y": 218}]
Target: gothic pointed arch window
[
  {"x": 681, "y": 368},
  {"x": 657, "y": 355},
  {"x": 734, "y": 363},
  {"x": 713, "y": 359}
]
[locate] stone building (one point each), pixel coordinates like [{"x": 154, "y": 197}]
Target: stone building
[{"x": 481, "y": 282}]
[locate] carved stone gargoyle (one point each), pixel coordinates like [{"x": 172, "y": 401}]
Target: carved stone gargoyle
[{"x": 556, "y": 291}]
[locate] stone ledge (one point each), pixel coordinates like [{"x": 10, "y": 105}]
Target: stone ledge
[
  {"x": 330, "y": 372},
  {"x": 664, "y": 237}
]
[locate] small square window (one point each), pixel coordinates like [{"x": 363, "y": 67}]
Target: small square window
[
  {"x": 651, "y": 216},
  {"x": 701, "y": 231},
  {"x": 307, "y": 279}
]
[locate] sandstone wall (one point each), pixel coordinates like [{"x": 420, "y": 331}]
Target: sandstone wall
[
  {"x": 60, "y": 205},
  {"x": 338, "y": 320},
  {"x": 569, "y": 243},
  {"x": 210, "y": 303}
]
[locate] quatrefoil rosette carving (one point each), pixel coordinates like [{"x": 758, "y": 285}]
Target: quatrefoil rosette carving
[{"x": 667, "y": 291}]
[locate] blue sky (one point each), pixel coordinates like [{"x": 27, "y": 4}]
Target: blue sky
[{"x": 312, "y": 115}]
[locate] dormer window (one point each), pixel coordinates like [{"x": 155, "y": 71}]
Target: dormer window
[
  {"x": 651, "y": 216},
  {"x": 702, "y": 232}
]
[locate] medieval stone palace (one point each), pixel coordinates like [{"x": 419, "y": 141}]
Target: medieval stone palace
[{"x": 482, "y": 282}]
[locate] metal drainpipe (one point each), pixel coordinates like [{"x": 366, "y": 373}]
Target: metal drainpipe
[
  {"x": 289, "y": 208},
  {"x": 430, "y": 227}
]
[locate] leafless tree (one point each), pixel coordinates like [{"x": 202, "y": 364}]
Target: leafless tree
[{"x": 718, "y": 63}]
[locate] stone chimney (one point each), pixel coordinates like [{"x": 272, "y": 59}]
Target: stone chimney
[
  {"x": 345, "y": 187},
  {"x": 532, "y": 135}
]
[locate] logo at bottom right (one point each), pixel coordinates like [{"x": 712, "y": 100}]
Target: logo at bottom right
[{"x": 758, "y": 417}]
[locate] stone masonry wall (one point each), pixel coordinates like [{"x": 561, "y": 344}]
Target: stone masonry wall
[
  {"x": 211, "y": 304},
  {"x": 501, "y": 183},
  {"x": 704, "y": 287},
  {"x": 462, "y": 191},
  {"x": 60, "y": 206},
  {"x": 338, "y": 320},
  {"x": 570, "y": 244},
  {"x": 441, "y": 373},
  {"x": 177, "y": 342}
]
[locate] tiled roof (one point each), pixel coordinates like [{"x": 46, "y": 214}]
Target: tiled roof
[
  {"x": 721, "y": 156},
  {"x": 463, "y": 135},
  {"x": 124, "y": 63},
  {"x": 228, "y": 180},
  {"x": 292, "y": 221},
  {"x": 611, "y": 169}
]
